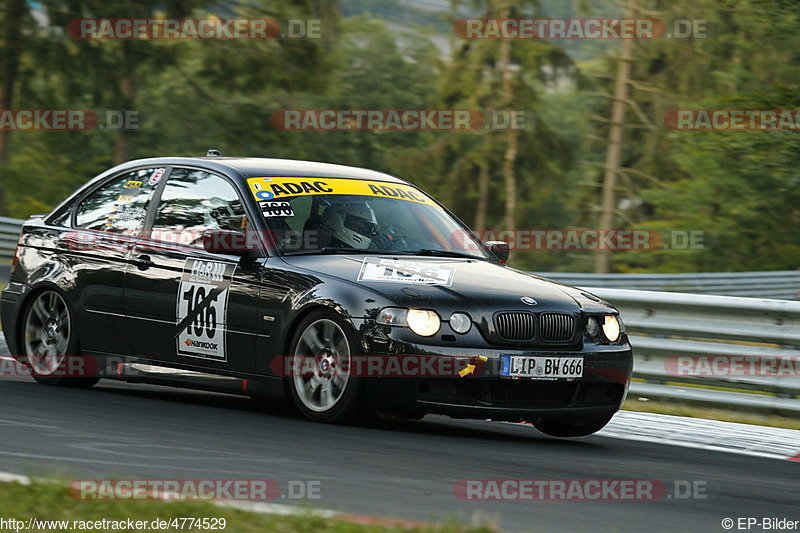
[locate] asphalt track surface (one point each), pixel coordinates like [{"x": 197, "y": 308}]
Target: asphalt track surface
[{"x": 392, "y": 468}]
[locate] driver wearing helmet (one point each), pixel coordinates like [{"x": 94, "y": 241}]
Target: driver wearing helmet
[{"x": 350, "y": 225}]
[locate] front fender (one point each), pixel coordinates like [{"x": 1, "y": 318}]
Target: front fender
[{"x": 356, "y": 305}]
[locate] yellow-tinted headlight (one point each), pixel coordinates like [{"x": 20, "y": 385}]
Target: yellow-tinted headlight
[
  {"x": 423, "y": 322},
  {"x": 612, "y": 328}
]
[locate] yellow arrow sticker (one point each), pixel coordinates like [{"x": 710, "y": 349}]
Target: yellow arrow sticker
[
  {"x": 469, "y": 370},
  {"x": 276, "y": 188}
]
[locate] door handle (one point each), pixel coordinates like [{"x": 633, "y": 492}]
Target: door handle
[{"x": 143, "y": 262}]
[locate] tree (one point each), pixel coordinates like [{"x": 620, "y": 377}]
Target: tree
[
  {"x": 740, "y": 189},
  {"x": 615, "y": 139},
  {"x": 14, "y": 19},
  {"x": 511, "y": 167}
]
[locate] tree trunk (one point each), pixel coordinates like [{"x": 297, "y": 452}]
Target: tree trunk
[
  {"x": 329, "y": 13},
  {"x": 614, "y": 150},
  {"x": 9, "y": 67},
  {"x": 510, "y": 155},
  {"x": 483, "y": 199},
  {"x": 122, "y": 147},
  {"x": 122, "y": 142},
  {"x": 510, "y": 178}
]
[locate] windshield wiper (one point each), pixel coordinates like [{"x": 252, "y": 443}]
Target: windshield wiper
[{"x": 445, "y": 253}]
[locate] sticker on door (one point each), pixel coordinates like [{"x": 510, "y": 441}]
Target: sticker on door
[{"x": 202, "y": 308}]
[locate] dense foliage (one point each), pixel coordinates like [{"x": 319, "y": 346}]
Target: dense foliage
[{"x": 739, "y": 188}]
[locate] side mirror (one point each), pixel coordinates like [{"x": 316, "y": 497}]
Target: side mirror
[
  {"x": 225, "y": 241},
  {"x": 500, "y": 249}
]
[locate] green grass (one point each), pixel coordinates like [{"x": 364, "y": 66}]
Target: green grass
[
  {"x": 50, "y": 501},
  {"x": 711, "y": 413}
]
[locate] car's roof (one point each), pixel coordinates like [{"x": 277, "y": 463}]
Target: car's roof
[{"x": 250, "y": 167}]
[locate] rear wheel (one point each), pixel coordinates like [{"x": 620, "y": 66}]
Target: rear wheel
[
  {"x": 572, "y": 428},
  {"x": 50, "y": 344},
  {"x": 320, "y": 384}
]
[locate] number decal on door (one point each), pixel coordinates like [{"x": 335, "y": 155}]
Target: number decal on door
[
  {"x": 202, "y": 307},
  {"x": 206, "y": 320}
]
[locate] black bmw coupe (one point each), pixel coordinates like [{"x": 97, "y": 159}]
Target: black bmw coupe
[{"x": 347, "y": 291}]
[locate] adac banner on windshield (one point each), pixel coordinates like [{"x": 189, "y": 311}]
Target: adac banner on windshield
[{"x": 276, "y": 188}]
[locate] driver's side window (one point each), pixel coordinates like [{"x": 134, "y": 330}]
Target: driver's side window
[{"x": 194, "y": 201}]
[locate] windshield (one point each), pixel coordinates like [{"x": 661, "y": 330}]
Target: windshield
[{"x": 323, "y": 215}]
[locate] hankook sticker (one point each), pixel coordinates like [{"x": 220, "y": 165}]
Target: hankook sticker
[
  {"x": 202, "y": 309},
  {"x": 405, "y": 271}
]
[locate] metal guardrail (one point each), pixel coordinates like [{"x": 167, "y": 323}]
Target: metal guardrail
[
  {"x": 685, "y": 341},
  {"x": 9, "y": 233},
  {"x": 780, "y": 284}
]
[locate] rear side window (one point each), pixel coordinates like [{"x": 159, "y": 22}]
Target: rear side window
[
  {"x": 194, "y": 201},
  {"x": 120, "y": 205}
]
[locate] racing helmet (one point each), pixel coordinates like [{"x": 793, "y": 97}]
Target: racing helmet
[{"x": 353, "y": 224}]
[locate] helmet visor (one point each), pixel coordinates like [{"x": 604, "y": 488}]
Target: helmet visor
[{"x": 361, "y": 225}]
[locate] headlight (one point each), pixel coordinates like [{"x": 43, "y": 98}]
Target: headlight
[
  {"x": 460, "y": 322},
  {"x": 592, "y": 327},
  {"x": 612, "y": 328},
  {"x": 392, "y": 316},
  {"x": 423, "y": 322}
]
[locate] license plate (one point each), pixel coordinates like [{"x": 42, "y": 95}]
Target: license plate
[{"x": 541, "y": 367}]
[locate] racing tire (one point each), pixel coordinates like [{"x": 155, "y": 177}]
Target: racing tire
[
  {"x": 321, "y": 388},
  {"x": 49, "y": 342}
]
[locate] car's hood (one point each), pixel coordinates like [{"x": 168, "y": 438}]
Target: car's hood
[{"x": 447, "y": 284}]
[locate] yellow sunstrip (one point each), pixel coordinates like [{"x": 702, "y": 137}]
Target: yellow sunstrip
[{"x": 272, "y": 188}]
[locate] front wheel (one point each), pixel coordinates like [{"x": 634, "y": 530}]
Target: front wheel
[
  {"x": 320, "y": 384},
  {"x": 50, "y": 344},
  {"x": 572, "y": 428}
]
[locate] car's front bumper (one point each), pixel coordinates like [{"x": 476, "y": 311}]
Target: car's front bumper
[{"x": 485, "y": 394}]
